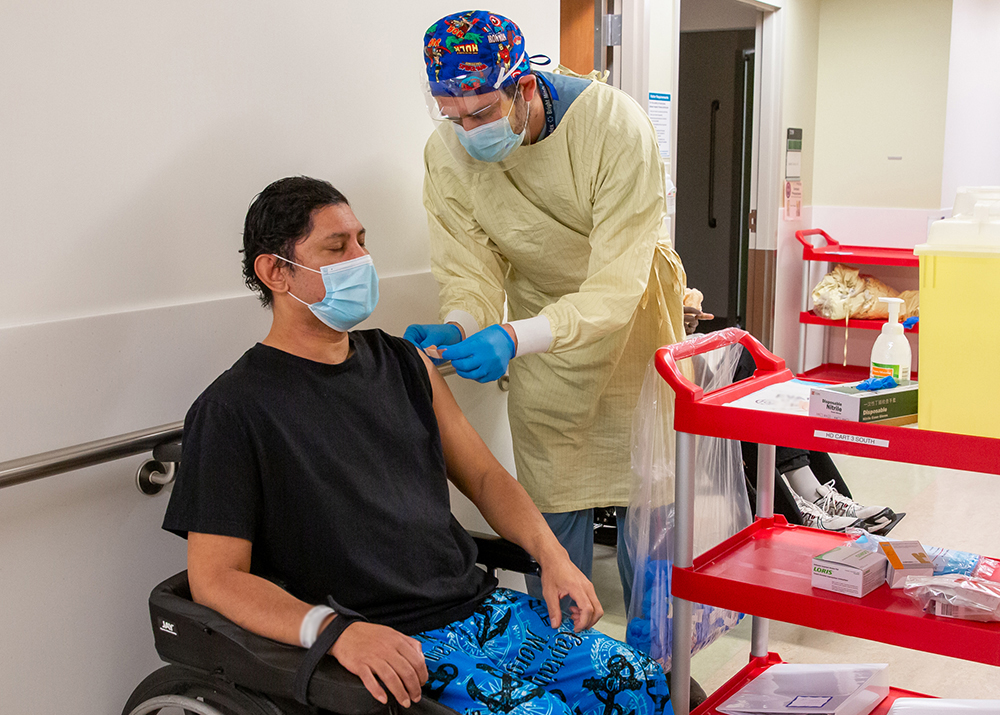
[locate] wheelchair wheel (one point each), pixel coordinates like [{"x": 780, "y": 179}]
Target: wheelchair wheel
[{"x": 173, "y": 689}]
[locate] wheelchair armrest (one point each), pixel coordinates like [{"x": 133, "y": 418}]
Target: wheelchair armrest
[
  {"x": 496, "y": 552},
  {"x": 189, "y": 634}
]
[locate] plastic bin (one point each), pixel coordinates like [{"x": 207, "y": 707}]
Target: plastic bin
[{"x": 959, "y": 311}]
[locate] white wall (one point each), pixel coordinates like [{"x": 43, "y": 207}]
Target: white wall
[
  {"x": 697, "y": 15},
  {"x": 882, "y": 84},
  {"x": 798, "y": 109},
  {"x": 971, "y": 140},
  {"x": 879, "y": 82},
  {"x": 134, "y": 135}
]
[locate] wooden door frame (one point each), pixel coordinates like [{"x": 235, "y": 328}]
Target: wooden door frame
[
  {"x": 766, "y": 177},
  {"x": 766, "y": 181}
]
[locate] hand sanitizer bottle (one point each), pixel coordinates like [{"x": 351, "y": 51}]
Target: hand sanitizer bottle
[{"x": 891, "y": 353}]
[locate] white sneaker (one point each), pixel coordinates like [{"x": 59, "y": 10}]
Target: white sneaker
[
  {"x": 834, "y": 503},
  {"x": 816, "y": 518}
]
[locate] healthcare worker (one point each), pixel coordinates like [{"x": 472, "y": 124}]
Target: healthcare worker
[{"x": 545, "y": 193}]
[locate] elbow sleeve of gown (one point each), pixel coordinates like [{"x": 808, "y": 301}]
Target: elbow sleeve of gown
[{"x": 628, "y": 234}]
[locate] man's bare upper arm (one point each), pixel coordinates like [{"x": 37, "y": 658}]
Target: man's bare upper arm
[
  {"x": 210, "y": 555},
  {"x": 468, "y": 458}
]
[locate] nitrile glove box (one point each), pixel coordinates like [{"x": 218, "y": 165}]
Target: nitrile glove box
[
  {"x": 906, "y": 558},
  {"x": 849, "y": 570},
  {"x": 845, "y": 402}
]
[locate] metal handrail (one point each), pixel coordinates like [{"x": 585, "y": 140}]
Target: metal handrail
[
  {"x": 67, "y": 459},
  {"x": 26, "y": 469}
]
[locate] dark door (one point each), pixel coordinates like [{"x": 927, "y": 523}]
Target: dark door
[{"x": 714, "y": 129}]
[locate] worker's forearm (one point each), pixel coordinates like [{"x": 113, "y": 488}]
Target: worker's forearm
[{"x": 251, "y": 602}]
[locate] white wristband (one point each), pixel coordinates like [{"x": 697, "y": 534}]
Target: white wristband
[{"x": 309, "y": 630}]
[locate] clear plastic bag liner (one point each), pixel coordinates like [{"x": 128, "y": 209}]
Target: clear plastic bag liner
[
  {"x": 721, "y": 506},
  {"x": 956, "y": 596}
]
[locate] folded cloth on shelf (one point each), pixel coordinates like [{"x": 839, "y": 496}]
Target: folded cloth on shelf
[{"x": 846, "y": 292}]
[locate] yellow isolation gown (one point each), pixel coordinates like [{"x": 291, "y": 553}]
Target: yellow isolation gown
[{"x": 571, "y": 228}]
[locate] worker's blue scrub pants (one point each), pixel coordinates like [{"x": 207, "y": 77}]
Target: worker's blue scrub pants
[
  {"x": 506, "y": 658},
  {"x": 575, "y": 531}
]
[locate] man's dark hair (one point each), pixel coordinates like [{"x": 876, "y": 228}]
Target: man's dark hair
[{"x": 278, "y": 218}]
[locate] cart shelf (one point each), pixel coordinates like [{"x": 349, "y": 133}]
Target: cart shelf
[
  {"x": 809, "y": 317},
  {"x": 835, "y": 252},
  {"x": 758, "y": 666},
  {"x": 834, "y": 373},
  {"x": 765, "y": 570},
  {"x": 711, "y": 415}
]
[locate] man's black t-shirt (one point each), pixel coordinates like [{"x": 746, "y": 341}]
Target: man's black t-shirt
[{"x": 336, "y": 474}]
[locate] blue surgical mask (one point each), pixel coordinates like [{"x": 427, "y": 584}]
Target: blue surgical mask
[
  {"x": 351, "y": 292},
  {"x": 494, "y": 141}
]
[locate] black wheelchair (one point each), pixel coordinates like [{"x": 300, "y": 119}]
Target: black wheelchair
[{"x": 217, "y": 668}]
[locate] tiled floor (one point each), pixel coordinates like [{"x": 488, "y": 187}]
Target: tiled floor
[{"x": 943, "y": 508}]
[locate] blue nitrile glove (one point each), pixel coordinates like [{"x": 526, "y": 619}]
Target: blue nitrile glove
[
  {"x": 423, "y": 336},
  {"x": 482, "y": 357},
  {"x": 877, "y": 383},
  {"x": 910, "y": 322}
]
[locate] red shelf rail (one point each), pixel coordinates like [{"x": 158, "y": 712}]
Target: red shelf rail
[
  {"x": 756, "y": 666},
  {"x": 835, "y": 252},
  {"x": 835, "y": 374},
  {"x": 698, "y": 413},
  {"x": 809, "y": 317},
  {"x": 766, "y": 570}
]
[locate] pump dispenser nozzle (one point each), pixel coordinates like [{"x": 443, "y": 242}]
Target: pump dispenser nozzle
[{"x": 893, "y": 325}]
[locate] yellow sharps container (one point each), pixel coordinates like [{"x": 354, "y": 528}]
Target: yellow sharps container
[{"x": 960, "y": 318}]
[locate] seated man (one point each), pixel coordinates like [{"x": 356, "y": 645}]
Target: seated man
[{"x": 319, "y": 461}]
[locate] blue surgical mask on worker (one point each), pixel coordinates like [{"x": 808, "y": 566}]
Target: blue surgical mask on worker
[
  {"x": 494, "y": 141},
  {"x": 351, "y": 292}
]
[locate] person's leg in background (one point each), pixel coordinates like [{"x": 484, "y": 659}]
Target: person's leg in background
[
  {"x": 625, "y": 571},
  {"x": 575, "y": 531}
]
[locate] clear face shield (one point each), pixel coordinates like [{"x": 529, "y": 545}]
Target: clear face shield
[{"x": 487, "y": 123}]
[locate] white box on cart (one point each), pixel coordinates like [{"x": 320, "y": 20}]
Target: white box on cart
[
  {"x": 906, "y": 558},
  {"x": 849, "y": 570}
]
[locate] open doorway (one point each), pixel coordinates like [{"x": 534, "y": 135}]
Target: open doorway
[
  {"x": 715, "y": 141},
  {"x": 738, "y": 278}
]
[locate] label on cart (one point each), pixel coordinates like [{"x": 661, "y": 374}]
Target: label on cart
[
  {"x": 810, "y": 701},
  {"x": 951, "y": 610},
  {"x": 855, "y": 438}
]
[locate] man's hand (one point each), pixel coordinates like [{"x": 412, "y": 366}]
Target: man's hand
[
  {"x": 424, "y": 336},
  {"x": 691, "y": 318},
  {"x": 372, "y": 651},
  {"x": 560, "y": 578},
  {"x": 482, "y": 357}
]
